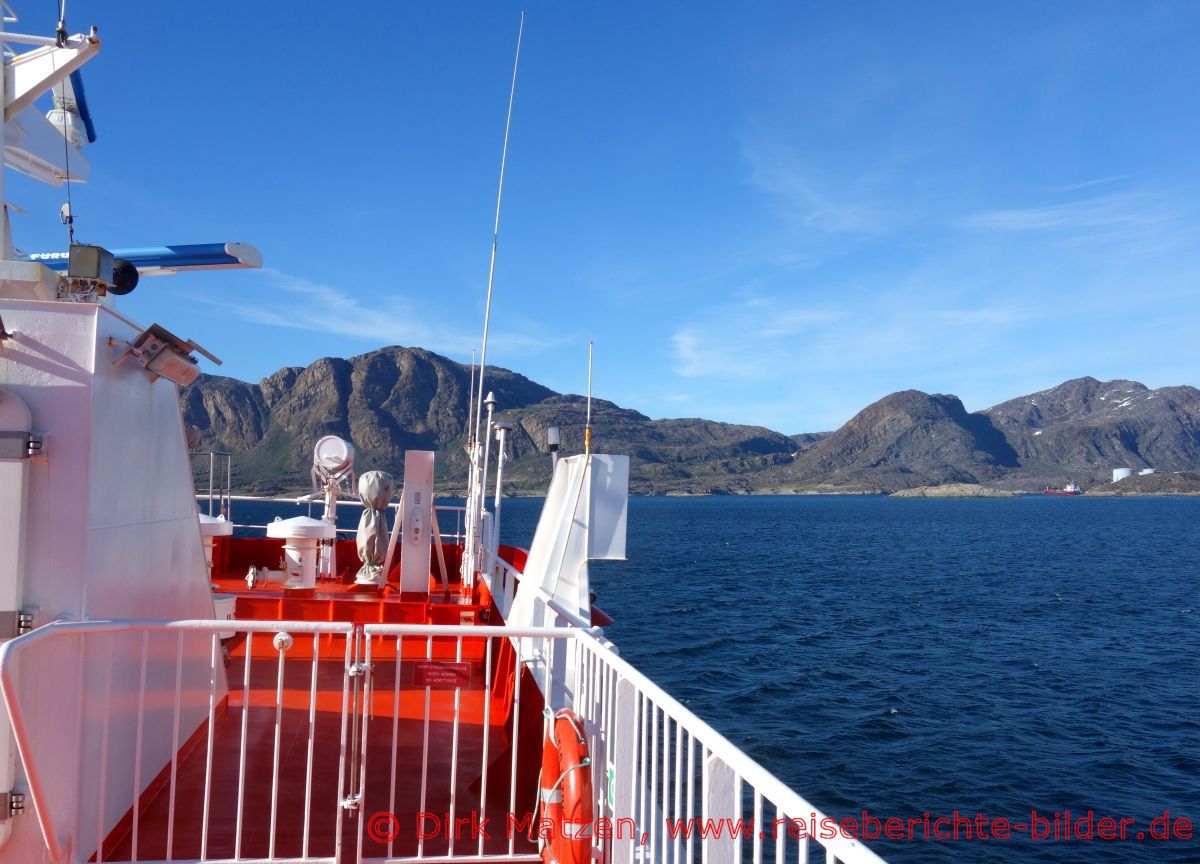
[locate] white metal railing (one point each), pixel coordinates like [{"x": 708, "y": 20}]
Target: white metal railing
[
  {"x": 680, "y": 779},
  {"x": 170, "y": 755},
  {"x": 417, "y": 719},
  {"x": 219, "y": 494},
  {"x": 502, "y": 579},
  {"x": 223, "y": 499},
  {"x": 458, "y": 535}
]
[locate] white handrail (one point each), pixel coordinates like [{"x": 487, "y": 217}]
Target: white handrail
[
  {"x": 771, "y": 787},
  {"x": 595, "y": 676},
  {"x": 12, "y": 648},
  {"x": 455, "y": 630}
]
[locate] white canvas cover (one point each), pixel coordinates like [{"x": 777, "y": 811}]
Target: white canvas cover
[{"x": 375, "y": 491}]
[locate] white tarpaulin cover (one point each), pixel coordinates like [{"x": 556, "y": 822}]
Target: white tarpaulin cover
[{"x": 375, "y": 491}]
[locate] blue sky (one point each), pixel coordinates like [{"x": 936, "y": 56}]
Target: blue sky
[{"x": 769, "y": 213}]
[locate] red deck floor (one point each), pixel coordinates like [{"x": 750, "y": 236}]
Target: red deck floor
[
  {"x": 406, "y": 799},
  {"x": 396, "y": 742}
]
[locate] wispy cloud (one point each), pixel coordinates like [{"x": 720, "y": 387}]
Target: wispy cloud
[
  {"x": 1132, "y": 212},
  {"x": 818, "y": 361},
  {"x": 793, "y": 183},
  {"x": 1118, "y": 229},
  {"x": 747, "y": 340},
  {"x": 1090, "y": 184},
  {"x": 390, "y": 319},
  {"x": 990, "y": 316}
]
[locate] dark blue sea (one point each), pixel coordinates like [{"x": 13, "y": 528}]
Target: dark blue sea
[{"x": 991, "y": 656}]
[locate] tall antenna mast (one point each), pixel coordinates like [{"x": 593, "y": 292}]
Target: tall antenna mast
[
  {"x": 478, "y": 439},
  {"x": 470, "y": 397},
  {"x": 587, "y": 428},
  {"x": 487, "y": 312}
]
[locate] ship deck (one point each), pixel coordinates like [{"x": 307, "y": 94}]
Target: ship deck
[
  {"x": 411, "y": 768},
  {"x": 275, "y": 758}
]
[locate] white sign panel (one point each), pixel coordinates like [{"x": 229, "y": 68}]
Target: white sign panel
[{"x": 416, "y": 521}]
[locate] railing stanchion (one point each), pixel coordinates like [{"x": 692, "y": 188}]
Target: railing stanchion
[
  {"x": 214, "y": 650},
  {"x": 347, "y": 682},
  {"x": 242, "y": 746},
  {"x": 175, "y": 747},
  {"x": 395, "y": 738},
  {"x": 487, "y": 733},
  {"x": 516, "y": 738},
  {"x": 137, "y": 747},
  {"x": 425, "y": 749},
  {"x": 451, "y": 813},
  {"x": 107, "y": 709}
]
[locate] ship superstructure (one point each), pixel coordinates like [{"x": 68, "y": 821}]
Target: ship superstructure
[{"x": 176, "y": 690}]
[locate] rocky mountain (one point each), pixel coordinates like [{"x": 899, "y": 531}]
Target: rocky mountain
[
  {"x": 690, "y": 456},
  {"x": 1088, "y": 427},
  {"x": 385, "y": 402},
  {"x": 396, "y": 398},
  {"x": 904, "y": 440}
]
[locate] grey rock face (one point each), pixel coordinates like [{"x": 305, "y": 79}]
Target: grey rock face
[
  {"x": 394, "y": 399},
  {"x": 1089, "y": 427}
]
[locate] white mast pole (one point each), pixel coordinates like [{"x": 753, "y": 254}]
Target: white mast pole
[
  {"x": 471, "y": 396},
  {"x": 501, "y": 428},
  {"x": 587, "y": 428},
  {"x": 475, "y": 501},
  {"x": 487, "y": 312},
  {"x": 486, "y": 443}
]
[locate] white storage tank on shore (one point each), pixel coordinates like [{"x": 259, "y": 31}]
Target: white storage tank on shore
[
  {"x": 1121, "y": 473},
  {"x": 1146, "y": 471}
]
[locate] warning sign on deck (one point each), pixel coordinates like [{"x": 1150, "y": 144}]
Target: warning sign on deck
[{"x": 441, "y": 674}]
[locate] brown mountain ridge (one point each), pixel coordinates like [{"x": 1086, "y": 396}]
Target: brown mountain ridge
[{"x": 393, "y": 399}]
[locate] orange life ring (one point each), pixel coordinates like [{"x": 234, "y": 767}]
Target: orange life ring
[{"x": 566, "y": 792}]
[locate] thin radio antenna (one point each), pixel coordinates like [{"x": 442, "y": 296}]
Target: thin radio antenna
[
  {"x": 487, "y": 312},
  {"x": 478, "y": 438},
  {"x": 470, "y": 395},
  {"x": 587, "y": 429}
]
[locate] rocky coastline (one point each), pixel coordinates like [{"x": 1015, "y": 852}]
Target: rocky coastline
[
  {"x": 954, "y": 490},
  {"x": 1182, "y": 483}
]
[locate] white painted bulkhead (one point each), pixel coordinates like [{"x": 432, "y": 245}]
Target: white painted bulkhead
[
  {"x": 111, "y": 532},
  {"x": 16, "y": 422}
]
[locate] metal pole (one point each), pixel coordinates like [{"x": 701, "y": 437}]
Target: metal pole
[
  {"x": 487, "y": 449},
  {"x": 475, "y": 504},
  {"x": 487, "y": 311},
  {"x": 486, "y": 443},
  {"x": 467, "y": 567},
  {"x": 587, "y": 429},
  {"x": 501, "y": 435}
]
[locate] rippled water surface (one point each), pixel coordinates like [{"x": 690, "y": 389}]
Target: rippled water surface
[{"x": 903, "y": 656}]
